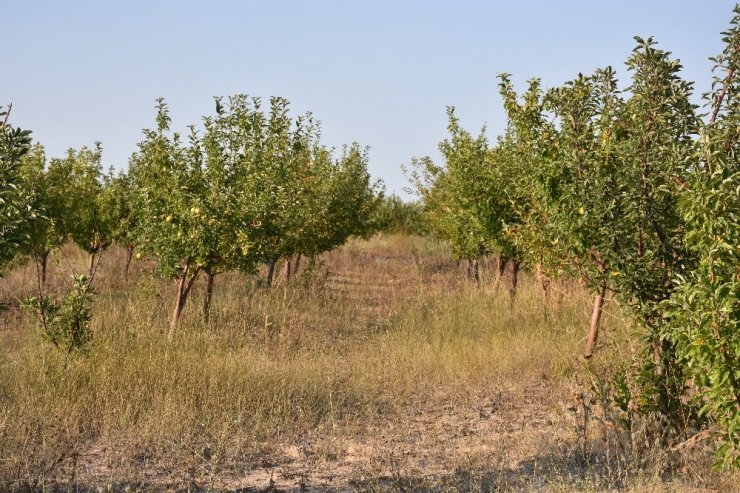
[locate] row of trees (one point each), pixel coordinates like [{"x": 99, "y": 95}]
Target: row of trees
[
  {"x": 255, "y": 187},
  {"x": 251, "y": 188},
  {"x": 395, "y": 215},
  {"x": 634, "y": 192}
]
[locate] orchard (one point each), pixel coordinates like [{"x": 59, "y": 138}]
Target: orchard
[{"x": 620, "y": 187}]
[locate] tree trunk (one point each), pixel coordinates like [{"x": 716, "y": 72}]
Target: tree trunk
[
  {"x": 44, "y": 264},
  {"x": 270, "y": 272},
  {"x": 179, "y": 304},
  {"x": 210, "y": 277},
  {"x": 129, "y": 256},
  {"x": 544, "y": 284},
  {"x": 593, "y": 330},
  {"x": 183, "y": 289},
  {"x": 500, "y": 269},
  {"x": 91, "y": 263},
  {"x": 297, "y": 264},
  {"x": 473, "y": 270},
  {"x": 514, "y": 281},
  {"x": 288, "y": 265}
]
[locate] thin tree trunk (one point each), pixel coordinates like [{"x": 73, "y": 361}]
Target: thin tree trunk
[
  {"x": 183, "y": 289},
  {"x": 179, "y": 302},
  {"x": 476, "y": 271},
  {"x": 288, "y": 265},
  {"x": 514, "y": 281},
  {"x": 593, "y": 330},
  {"x": 297, "y": 264},
  {"x": 44, "y": 264},
  {"x": 500, "y": 269},
  {"x": 270, "y": 272},
  {"x": 129, "y": 256},
  {"x": 208, "y": 296},
  {"x": 544, "y": 284},
  {"x": 91, "y": 263},
  {"x": 660, "y": 350}
]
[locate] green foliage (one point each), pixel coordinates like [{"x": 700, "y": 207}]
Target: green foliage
[
  {"x": 255, "y": 187},
  {"x": 15, "y": 207},
  {"x": 65, "y": 322},
  {"x": 518, "y": 165},
  {"x": 458, "y": 201},
  {"x": 628, "y": 190},
  {"x": 703, "y": 314},
  {"x": 396, "y": 216},
  {"x": 48, "y": 193},
  {"x": 118, "y": 201},
  {"x": 178, "y": 223},
  {"x": 82, "y": 213}
]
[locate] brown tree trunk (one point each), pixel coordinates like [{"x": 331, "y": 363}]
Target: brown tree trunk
[
  {"x": 544, "y": 284},
  {"x": 470, "y": 266},
  {"x": 514, "y": 280},
  {"x": 183, "y": 289},
  {"x": 129, "y": 256},
  {"x": 91, "y": 263},
  {"x": 593, "y": 330},
  {"x": 500, "y": 269},
  {"x": 288, "y": 266},
  {"x": 270, "y": 272},
  {"x": 44, "y": 264},
  {"x": 208, "y": 296},
  {"x": 297, "y": 264}
]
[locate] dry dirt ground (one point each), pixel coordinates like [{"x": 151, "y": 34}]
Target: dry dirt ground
[{"x": 510, "y": 436}]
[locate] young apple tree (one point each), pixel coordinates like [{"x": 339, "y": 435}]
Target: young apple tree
[
  {"x": 47, "y": 195},
  {"x": 188, "y": 221},
  {"x": 82, "y": 214}
]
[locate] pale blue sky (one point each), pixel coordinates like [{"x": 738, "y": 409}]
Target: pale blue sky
[{"x": 376, "y": 72}]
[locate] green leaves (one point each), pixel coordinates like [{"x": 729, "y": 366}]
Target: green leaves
[
  {"x": 78, "y": 189},
  {"x": 255, "y": 186},
  {"x": 629, "y": 189},
  {"x": 15, "y": 204},
  {"x": 703, "y": 314},
  {"x": 65, "y": 321}
]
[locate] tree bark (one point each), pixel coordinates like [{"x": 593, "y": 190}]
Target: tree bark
[
  {"x": 500, "y": 270},
  {"x": 129, "y": 256},
  {"x": 208, "y": 296},
  {"x": 270, "y": 272},
  {"x": 183, "y": 289},
  {"x": 514, "y": 280},
  {"x": 593, "y": 330},
  {"x": 297, "y": 264},
  {"x": 544, "y": 284},
  {"x": 44, "y": 265},
  {"x": 473, "y": 270},
  {"x": 91, "y": 263},
  {"x": 288, "y": 265}
]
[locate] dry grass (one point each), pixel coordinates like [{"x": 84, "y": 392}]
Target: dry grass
[{"x": 379, "y": 369}]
